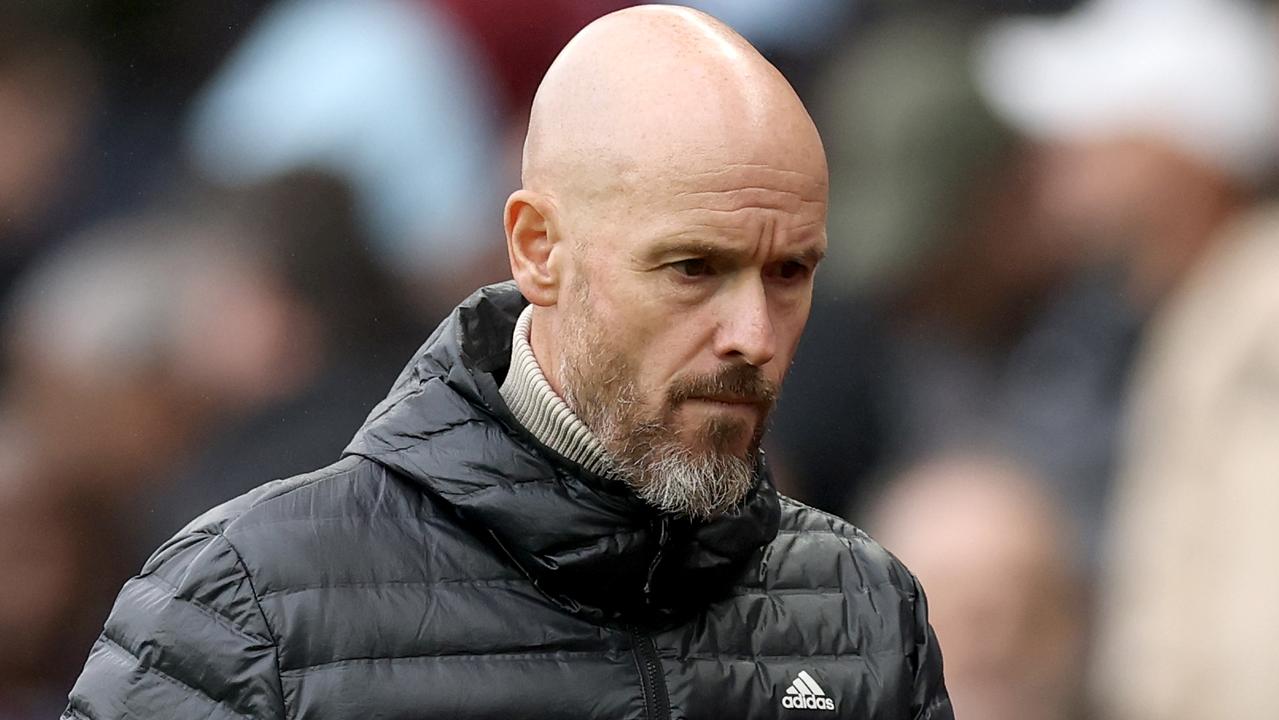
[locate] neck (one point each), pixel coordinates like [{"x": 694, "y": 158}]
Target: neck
[{"x": 535, "y": 404}]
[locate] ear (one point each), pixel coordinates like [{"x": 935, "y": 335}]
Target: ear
[{"x": 532, "y": 241}]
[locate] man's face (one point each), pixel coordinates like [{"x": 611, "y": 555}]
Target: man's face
[{"x": 682, "y": 313}]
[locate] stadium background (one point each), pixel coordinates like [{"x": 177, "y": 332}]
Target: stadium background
[{"x": 1041, "y": 367}]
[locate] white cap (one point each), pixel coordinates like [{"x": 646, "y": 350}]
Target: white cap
[{"x": 1202, "y": 75}]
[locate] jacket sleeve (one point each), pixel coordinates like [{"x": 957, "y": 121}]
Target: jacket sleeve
[
  {"x": 931, "y": 701},
  {"x": 186, "y": 639}
]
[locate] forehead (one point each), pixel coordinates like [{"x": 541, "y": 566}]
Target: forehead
[
  {"x": 715, "y": 176},
  {"x": 740, "y": 186},
  {"x": 730, "y": 200}
]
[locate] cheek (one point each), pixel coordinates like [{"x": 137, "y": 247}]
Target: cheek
[
  {"x": 659, "y": 338},
  {"x": 666, "y": 354}
]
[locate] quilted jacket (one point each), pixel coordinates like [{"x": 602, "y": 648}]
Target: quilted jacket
[{"x": 450, "y": 566}]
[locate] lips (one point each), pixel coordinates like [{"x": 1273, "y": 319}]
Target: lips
[
  {"x": 734, "y": 403},
  {"x": 729, "y": 399}
]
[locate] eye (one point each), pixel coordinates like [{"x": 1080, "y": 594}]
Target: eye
[
  {"x": 693, "y": 267},
  {"x": 791, "y": 270}
]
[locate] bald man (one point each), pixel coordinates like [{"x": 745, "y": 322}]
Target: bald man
[{"x": 561, "y": 510}]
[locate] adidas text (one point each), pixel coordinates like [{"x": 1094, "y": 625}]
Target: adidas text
[
  {"x": 805, "y": 694},
  {"x": 808, "y": 702}
]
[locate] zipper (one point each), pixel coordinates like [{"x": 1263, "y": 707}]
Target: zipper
[
  {"x": 663, "y": 537},
  {"x": 657, "y": 703}
]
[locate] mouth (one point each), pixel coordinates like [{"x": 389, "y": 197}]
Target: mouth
[
  {"x": 730, "y": 403},
  {"x": 739, "y": 391},
  {"x": 728, "y": 400}
]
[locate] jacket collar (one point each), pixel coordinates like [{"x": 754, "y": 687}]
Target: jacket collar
[{"x": 586, "y": 541}]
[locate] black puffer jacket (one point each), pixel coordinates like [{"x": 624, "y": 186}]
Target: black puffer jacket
[{"x": 451, "y": 567}]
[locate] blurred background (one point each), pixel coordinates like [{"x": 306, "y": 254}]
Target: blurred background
[{"x": 1042, "y": 366}]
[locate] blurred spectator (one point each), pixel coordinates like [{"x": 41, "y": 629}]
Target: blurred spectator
[
  {"x": 950, "y": 312},
  {"x": 182, "y": 321},
  {"x": 1164, "y": 121},
  {"x": 124, "y": 344},
  {"x": 1192, "y": 606},
  {"x": 90, "y": 95},
  {"x": 912, "y": 149},
  {"x": 351, "y": 328},
  {"x": 48, "y": 91},
  {"x": 389, "y": 96},
  {"x": 1005, "y": 586},
  {"x": 160, "y": 364}
]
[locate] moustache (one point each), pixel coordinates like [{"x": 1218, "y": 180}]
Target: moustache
[{"x": 734, "y": 383}]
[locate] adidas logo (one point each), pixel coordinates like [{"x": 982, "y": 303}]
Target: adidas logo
[{"x": 805, "y": 694}]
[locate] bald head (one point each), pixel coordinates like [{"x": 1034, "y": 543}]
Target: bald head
[{"x": 646, "y": 94}]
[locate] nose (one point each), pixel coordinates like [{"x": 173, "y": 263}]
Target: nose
[{"x": 745, "y": 332}]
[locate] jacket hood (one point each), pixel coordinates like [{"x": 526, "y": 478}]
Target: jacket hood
[{"x": 586, "y": 541}]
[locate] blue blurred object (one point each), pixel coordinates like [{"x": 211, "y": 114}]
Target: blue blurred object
[
  {"x": 384, "y": 94},
  {"x": 792, "y": 28}
]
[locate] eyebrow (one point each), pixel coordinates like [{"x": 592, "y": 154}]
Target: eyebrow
[{"x": 811, "y": 255}]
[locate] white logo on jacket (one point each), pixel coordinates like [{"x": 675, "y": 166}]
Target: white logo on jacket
[{"x": 805, "y": 694}]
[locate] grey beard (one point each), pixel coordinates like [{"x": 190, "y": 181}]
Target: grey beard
[
  {"x": 677, "y": 480},
  {"x": 644, "y": 452},
  {"x": 663, "y": 472}
]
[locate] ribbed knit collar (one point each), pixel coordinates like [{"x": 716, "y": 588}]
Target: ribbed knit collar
[{"x": 541, "y": 410}]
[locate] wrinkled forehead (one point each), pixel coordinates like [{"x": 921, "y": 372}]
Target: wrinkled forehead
[{"x": 623, "y": 190}]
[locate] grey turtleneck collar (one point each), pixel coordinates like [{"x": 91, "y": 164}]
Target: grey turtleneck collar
[{"x": 540, "y": 410}]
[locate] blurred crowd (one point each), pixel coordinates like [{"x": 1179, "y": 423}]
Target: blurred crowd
[{"x": 1042, "y": 366}]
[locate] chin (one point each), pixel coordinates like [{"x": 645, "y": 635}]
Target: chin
[{"x": 726, "y": 436}]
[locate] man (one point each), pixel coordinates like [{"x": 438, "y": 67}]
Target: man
[{"x": 560, "y": 511}]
